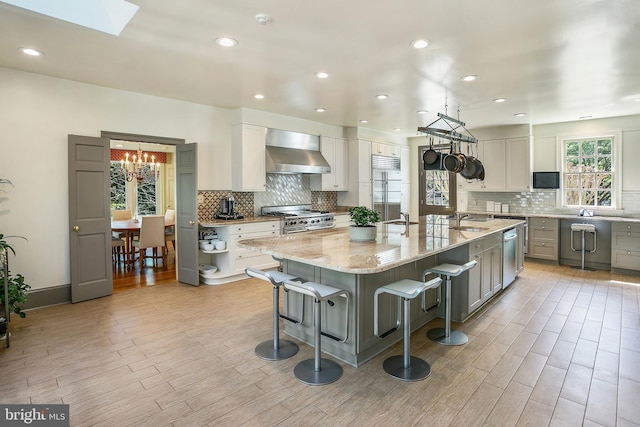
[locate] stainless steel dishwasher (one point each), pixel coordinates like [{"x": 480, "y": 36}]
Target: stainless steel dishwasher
[{"x": 509, "y": 265}]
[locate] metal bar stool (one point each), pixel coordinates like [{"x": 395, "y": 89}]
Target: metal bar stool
[
  {"x": 404, "y": 367},
  {"x": 583, "y": 228},
  {"x": 275, "y": 349},
  {"x": 318, "y": 371},
  {"x": 445, "y": 335}
]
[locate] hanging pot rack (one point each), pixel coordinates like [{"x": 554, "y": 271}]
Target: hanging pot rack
[{"x": 451, "y": 134}]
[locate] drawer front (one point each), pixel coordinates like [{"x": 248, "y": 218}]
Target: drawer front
[
  {"x": 476, "y": 247},
  {"x": 626, "y": 241},
  {"x": 628, "y": 227},
  {"x": 543, "y": 250},
  {"x": 543, "y": 222},
  {"x": 543, "y": 233},
  {"x": 253, "y": 227},
  {"x": 492, "y": 240},
  {"x": 629, "y": 260}
]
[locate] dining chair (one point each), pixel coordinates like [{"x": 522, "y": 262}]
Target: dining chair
[
  {"x": 120, "y": 215},
  {"x": 117, "y": 249},
  {"x": 151, "y": 236},
  {"x": 170, "y": 232}
]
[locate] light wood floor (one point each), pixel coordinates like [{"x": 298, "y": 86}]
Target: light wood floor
[{"x": 559, "y": 347}]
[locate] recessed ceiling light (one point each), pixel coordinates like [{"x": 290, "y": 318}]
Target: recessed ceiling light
[
  {"x": 419, "y": 44},
  {"x": 258, "y": 96},
  {"x": 498, "y": 100},
  {"x": 226, "y": 41},
  {"x": 320, "y": 110},
  {"x": 585, "y": 117},
  {"x": 422, "y": 111},
  {"x": 382, "y": 96},
  {"x": 322, "y": 75},
  {"x": 30, "y": 52},
  {"x": 520, "y": 114},
  {"x": 397, "y": 129},
  {"x": 469, "y": 78},
  {"x": 364, "y": 121}
]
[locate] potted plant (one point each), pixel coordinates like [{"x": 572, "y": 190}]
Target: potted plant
[
  {"x": 364, "y": 224},
  {"x": 17, "y": 289}
]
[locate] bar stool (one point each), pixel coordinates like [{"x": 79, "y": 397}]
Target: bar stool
[
  {"x": 404, "y": 367},
  {"x": 318, "y": 371},
  {"x": 275, "y": 349},
  {"x": 446, "y": 336},
  {"x": 583, "y": 228}
]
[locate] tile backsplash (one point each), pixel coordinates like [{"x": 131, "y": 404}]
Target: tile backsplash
[
  {"x": 542, "y": 201},
  {"x": 281, "y": 189}
]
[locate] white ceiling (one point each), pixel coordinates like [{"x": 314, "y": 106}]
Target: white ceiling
[{"x": 555, "y": 60}]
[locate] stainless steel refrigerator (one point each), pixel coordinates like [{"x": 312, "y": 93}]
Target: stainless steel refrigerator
[{"x": 386, "y": 179}]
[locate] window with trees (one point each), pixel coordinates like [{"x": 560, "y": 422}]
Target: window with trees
[
  {"x": 123, "y": 192},
  {"x": 437, "y": 190},
  {"x": 588, "y": 172}
]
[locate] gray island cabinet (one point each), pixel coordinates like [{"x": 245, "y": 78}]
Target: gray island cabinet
[{"x": 399, "y": 252}]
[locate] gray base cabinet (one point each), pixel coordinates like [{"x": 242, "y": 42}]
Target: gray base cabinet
[
  {"x": 543, "y": 238},
  {"x": 473, "y": 288},
  {"x": 625, "y": 246}
]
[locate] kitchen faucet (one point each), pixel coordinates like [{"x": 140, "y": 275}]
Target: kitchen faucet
[
  {"x": 406, "y": 218},
  {"x": 460, "y": 217}
]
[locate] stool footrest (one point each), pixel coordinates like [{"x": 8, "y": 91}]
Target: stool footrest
[{"x": 290, "y": 319}]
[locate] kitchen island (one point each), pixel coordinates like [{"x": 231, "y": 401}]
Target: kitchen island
[{"x": 399, "y": 252}]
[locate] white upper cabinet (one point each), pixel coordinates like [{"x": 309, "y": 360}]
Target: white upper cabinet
[
  {"x": 385, "y": 149},
  {"x": 248, "y": 158},
  {"x": 506, "y": 164},
  {"x": 364, "y": 161},
  {"x": 518, "y": 164},
  {"x": 336, "y": 152}
]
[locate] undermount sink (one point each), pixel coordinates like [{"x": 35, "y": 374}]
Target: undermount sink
[
  {"x": 479, "y": 218},
  {"x": 468, "y": 228},
  {"x": 398, "y": 222}
]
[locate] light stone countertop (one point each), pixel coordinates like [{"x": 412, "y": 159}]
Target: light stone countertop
[
  {"x": 393, "y": 247},
  {"x": 555, "y": 215}
]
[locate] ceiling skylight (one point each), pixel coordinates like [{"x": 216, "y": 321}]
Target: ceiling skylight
[{"x": 108, "y": 16}]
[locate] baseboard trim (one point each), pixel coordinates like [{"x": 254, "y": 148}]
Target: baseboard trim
[{"x": 55, "y": 295}]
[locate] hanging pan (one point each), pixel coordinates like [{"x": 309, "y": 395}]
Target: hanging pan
[
  {"x": 454, "y": 162},
  {"x": 431, "y": 158}
]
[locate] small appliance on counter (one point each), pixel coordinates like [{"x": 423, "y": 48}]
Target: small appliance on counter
[{"x": 227, "y": 211}]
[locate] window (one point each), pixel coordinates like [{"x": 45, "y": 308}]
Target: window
[
  {"x": 589, "y": 178},
  {"x": 437, "y": 190},
  {"x": 122, "y": 191}
]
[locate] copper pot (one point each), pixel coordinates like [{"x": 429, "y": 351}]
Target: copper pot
[{"x": 454, "y": 162}]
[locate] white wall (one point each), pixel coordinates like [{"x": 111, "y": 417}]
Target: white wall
[{"x": 36, "y": 115}]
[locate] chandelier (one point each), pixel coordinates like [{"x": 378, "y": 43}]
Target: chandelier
[{"x": 139, "y": 167}]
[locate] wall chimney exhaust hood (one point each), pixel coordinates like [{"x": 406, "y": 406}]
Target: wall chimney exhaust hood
[{"x": 293, "y": 152}]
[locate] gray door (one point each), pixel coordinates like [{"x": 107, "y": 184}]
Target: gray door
[
  {"x": 89, "y": 218},
  {"x": 187, "y": 213}
]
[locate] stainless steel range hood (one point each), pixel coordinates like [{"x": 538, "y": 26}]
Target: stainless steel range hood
[{"x": 293, "y": 152}]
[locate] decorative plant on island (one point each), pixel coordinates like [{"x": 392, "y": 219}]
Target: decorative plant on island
[{"x": 364, "y": 224}]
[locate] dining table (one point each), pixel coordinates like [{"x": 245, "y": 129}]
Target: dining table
[{"x": 131, "y": 228}]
